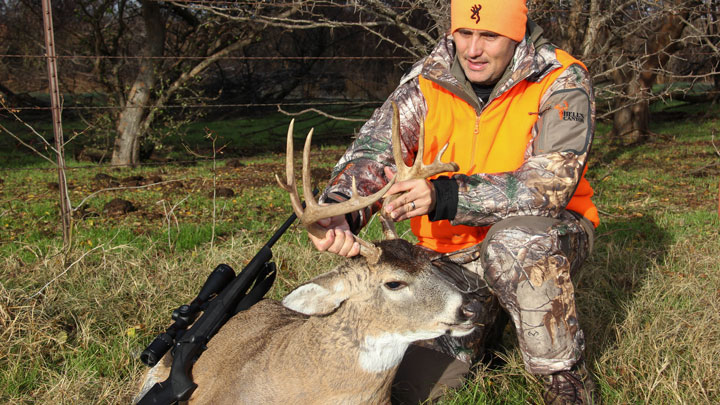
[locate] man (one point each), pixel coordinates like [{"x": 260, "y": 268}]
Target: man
[{"x": 518, "y": 115}]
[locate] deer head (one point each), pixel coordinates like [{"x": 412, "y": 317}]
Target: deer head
[{"x": 404, "y": 291}]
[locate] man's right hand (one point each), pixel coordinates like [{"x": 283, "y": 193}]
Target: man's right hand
[{"x": 338, "y": 238}]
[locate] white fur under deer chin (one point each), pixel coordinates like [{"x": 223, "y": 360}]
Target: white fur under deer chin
[{"x": 383, "y": 352}]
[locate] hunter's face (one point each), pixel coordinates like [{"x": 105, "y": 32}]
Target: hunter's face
[{"x": 483, "y": 55}]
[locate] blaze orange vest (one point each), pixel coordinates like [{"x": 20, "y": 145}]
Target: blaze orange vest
[{"x": 492, "y": 142}]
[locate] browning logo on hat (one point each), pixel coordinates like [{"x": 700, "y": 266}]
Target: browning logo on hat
[
  {"x": 475, "y": 10},
  {"x": 503, "y": 17}
]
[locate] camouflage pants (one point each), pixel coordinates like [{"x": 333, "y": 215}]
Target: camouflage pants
[{"x": 524, "y": 266}]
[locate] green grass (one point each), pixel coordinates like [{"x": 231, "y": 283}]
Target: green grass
[
  {"x": 72, "y": 324},
  {"x": 269, "y": 132},
  {"x": 179, "y": 140}
]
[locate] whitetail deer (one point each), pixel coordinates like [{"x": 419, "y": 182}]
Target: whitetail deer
[{"x": 339, "y": 338}]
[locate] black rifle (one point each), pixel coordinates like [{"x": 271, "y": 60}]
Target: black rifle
[{"x": 190, "y": 343}]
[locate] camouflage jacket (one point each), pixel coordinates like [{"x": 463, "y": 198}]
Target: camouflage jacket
[{"x": 552, "y": 155}]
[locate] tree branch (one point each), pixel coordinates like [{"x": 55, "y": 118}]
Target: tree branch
[{"x": 324, "y": 114}]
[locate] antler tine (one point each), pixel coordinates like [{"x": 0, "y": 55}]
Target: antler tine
[
  {"x": 422, "y": 171},
  {"x": 313, "y": 211},
  {"x": 395, "y": 139},
  {"x": 289, "y": 184},
  {"x": 388, "y": 225},
  {"x": 418, "y": 170},
  {"x": 307, "y": 186}
]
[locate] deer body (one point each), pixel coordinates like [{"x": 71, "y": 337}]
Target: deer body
[
  {"x": 295, "y": 360},
  {"x": 336, "y": 339}
]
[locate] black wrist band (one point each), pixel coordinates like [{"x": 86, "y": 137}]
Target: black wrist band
[{"x": 446, "y": 199}]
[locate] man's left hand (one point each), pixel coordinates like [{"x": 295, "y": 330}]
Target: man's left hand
[{"x": 417, "y": 197}]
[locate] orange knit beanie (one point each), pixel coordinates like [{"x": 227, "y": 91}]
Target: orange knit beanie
[{"x": 504, "y": 17}]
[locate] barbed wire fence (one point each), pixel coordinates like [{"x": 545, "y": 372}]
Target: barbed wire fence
[
  {"x": 58, "y": 104},
  {"x": 56, "y": 107}
]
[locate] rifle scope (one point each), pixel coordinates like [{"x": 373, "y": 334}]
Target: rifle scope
[{"x": 185, "y": 315}]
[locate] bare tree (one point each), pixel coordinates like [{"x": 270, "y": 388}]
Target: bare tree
[
  {"x": 412, "y": 26},
  {"x": 205, "y": 38},
  {"x": 209, "y": 37},
  {"x": 643, "y": 56},
  {"x": 127, "y": 144},
  {"x": 627, "y": 45}
]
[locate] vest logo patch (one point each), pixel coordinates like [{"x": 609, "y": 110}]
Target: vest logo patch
[
  {"x": 475, "y": 10},
  {"x": 566, "y": 115}
]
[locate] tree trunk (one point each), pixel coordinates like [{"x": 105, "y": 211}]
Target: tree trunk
[
  {"x": 576, "y": 20},
  {"x": 129, "y": 126},
  {"x": 631, "y": 124}
]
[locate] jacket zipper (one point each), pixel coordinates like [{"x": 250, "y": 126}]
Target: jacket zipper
[
  {"x": 476, "y": 132},
  {"x": 478, "y": 109}
]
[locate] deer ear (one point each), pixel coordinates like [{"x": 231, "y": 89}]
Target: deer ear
[{"x": 321, "y": 296}]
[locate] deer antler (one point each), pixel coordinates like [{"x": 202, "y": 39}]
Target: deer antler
[
  {"x": 417, "y": 171},
  {"x": 313, "y": 211}
]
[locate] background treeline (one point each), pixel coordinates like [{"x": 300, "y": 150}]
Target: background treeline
[{"x": 144, "y": 64}]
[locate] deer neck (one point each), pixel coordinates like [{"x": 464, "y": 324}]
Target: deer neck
[
  {"x": 370, "y": 357},
  {"x": 372, "y": 350}
]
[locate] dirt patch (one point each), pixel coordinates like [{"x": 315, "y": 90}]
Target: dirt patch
[
  {"x": 118, "y": 206},
  {"x": 234, "y": 163},
  {"x": 222, "y": 192},
  {"x": 251, "y": 176}
]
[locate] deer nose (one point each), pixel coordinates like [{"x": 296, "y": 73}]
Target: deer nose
[{"x": 469, "y": 310}]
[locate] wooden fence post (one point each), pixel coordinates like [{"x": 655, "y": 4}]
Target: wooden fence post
[{"x": 65, "y": 207}]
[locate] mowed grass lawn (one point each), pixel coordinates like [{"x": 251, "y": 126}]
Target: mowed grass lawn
[{"x": 72, "y": 324}]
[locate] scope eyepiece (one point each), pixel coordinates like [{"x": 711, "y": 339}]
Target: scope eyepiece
[{"x": 154, "y": 352}]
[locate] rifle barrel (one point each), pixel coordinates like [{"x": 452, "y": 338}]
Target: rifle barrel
[{"x": 281, "y": 230}]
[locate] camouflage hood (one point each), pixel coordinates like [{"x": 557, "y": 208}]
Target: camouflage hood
[{"x": 534, "y": 58}]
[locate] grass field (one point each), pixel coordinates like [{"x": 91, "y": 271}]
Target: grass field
[{"x": 73, "y": 323}]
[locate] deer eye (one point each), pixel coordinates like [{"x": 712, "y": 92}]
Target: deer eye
[{"x": 395, "y": 285}]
